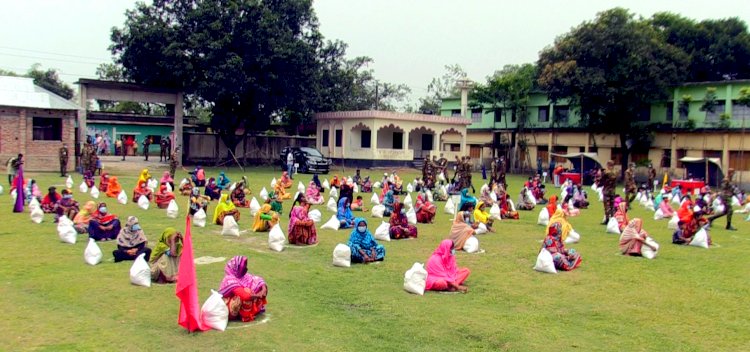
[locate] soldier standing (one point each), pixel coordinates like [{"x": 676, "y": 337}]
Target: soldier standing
[
  {"x": 63, "y": 154},
  {"x": 163, "y": 152},
  {"x": 146, "y": 143},
  {"x": 651, "y": 177},
  {"x": 467, "y": 174},
  {"x": 85, "y": 157},
  {"x": 630, "y": 186},
  {"x": 501, "y": 173},
  {"x": 493, "y": 171},
  {"x": 727, "y": 192},
  {"x": 173, "y": 162},
  {"x": 609, "y": 180}
]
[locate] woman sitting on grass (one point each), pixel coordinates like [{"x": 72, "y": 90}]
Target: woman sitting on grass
[
  {"x": 276, "y": 205},
  {"x": 238, "y": 197},
  {"x": 113, "y": 188},
  {"x": 265, "y": 219},
  {"x": 244, "y": 293},
  {"x": 666, "y": 209},
  {"x": 690, "y": 223},
  {"x": 388, "y": 202},
  {"x": 83, "y": 218},
  {"x": 144, "y": 176},
  {"x": 163, "y": 197},
  {"x": 88, "y": 178},
  {"x": 442, "y": 272},
  {"x": 400, "y": 226},
  {"x": 165, "y": 257},
  {"x": 142, "y": 190},
  {"x": 223, "y": 181},
  {"x": 481, "y": 215},
  {"x": 49, "y": 202},
  {"x": 561, "y": 218},
  {"x": 425, "y": 209},
  {"x": 564, "y": 259},
  {"x": 524, "y": 202},
  {"x": 285, "y": 180},
  {"x": 67, "y": 205},
  {"x": 621, "y": 215},
  {"x": 186, "y": 188},
  {"x": 344, "y": 214},
  {"x": 363, "y": 245},
  {"x": 166, "y": 178},
  {"x": 103, "y": 226},
  {"x": 131, "y": 242},
  {"x": 104, "y": 182},
  {"x": 506, "y": 208},
  {"x": 198, "y": 202},
  {"x": 463, "y": 227},
  {"x": 212, "y": 190},
  {"x": 312, "y": 194},
  {"x": 225, "y": 208},
  {"x": 633, "y": 238},
  {"x": 281, "y": 193},
  {"x": 301, "y": 230}
]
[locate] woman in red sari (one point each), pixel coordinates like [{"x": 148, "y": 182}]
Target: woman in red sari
[
  {"x": 103, "y": 226},
  {"x": 244, "y": 293},
  {"x": 425, "y": 210},
  {"x": 400, "y": 226},
  {"x": 690, "y": 222},
  {"x": 103, "y": 182},
  {"x": 142, "y": 190},
  {"x": 163, "y": 197},
  {"x": 301, "y": 230}
]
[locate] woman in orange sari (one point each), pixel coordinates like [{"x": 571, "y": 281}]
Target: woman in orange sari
[
  {"x": 285, "y": 181},
  {"x": 163, "y": 197},
  {"x": 281, "y": 194},
  {"x": 113, "y": 188},
  {"x": 142, "y": 190}
]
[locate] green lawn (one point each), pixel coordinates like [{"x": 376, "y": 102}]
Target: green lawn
[{"x": 687, "y": 299}]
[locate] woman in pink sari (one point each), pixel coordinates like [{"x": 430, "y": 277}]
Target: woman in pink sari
[
  {"x": 244, "y": 293},
  {"x": 312, "y": 194},
  {"x": 425, "y": 210},
  {"x": 301, "y": 229},
  {"x": 666, "y": 209},
  {"x": 167, "y": 178},
  {"x": 633, "y": 237},
  {"x": 442, "y": 272}
]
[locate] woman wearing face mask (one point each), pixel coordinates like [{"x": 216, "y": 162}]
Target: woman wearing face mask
[
  {"x": 442, "y": 272},
  {"x": 197, "y": 201},
  {"x": 103, "y": 226},
  {"x": 67, "y": 205},
  {"x": 131, "y": 242},
  {"x": 212, "y": 190},
  {"x": 363, "y": 245},
  {"x": 400, "y": 226}
]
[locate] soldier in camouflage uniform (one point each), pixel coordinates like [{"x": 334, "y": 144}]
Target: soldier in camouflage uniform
[
  {"x": 493, "y": 171},
  {"x": 501, "y": 173},
  {"x": 630, "y": 187},
  {"x": 173, "y": 162},
  {"x": 426, "y": 171},
  {"x": 609, "y": 181},
  {"x": 727, "y": 192},
  {"x": 86, "y": 157},
  {"x": 651, "y": 177},
  {"x": 63, "y": 154},
  {"x": 467, "y": 174}
]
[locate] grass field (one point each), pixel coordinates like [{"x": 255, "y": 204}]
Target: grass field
[{"x": 687, "y": 299}]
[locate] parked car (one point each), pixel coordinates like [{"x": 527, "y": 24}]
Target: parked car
[{"x": 310, "y": 160}]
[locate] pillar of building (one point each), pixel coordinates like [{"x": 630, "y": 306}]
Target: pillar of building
[
  {"x": 725, "y": 151},
  {"x": 178, "y": 116},
  {"x": 549, "y": 147},
  {"x": 673, "y": 152}
]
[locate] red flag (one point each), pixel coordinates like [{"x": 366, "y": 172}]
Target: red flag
[{"x": 187, "y": 286}]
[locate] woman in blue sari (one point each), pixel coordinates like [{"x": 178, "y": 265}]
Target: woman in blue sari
[
  {"x": 363, "y": 245},
  {"x": 212, "y": 190},
  {"x": 388, "y": 201},
  {"x": 344, "y": 214},
  {"x": 223, "y": 181},
  {"x": 466, "y": 198}
]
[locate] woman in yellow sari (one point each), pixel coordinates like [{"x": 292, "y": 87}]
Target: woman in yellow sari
[
  {"x": 281, "y": 194},
  {"x": 481, "y": 215},
  {"x": 265, "y": 219},
  {"x": 565, "y": 226},
  {"x": 225, "y": 208},
  {"x": 144, "y": 177},
  {"x": 165, "y": 257}
]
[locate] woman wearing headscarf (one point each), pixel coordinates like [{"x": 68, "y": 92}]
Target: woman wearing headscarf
[
  {"x": 104, "y": 182},
  {"x": 621, "y": 215},
  {"x": 212, "y": 190},
  {"x": 366, "y": 185},
  {"x": 666, "y": 209},
  {"x": 67, "y": 205},
  {"x": 244, "y": 293},
  {"x": 131, "y": 242},
  {"x": 388, "y": 202},
  {"x": 265, "y": 219},
  {"x": 165, "y": 257},
  {"x": 238, "y": 197},
  {"x": 113, "y": 188},
  {"x": 83, "y": 218},
  {"x": 32, "y": 191},
  {"x": 223, "y": 181},
  {"x": 316, "y": 180},
  {"x": 580, "y": 200},
  {"x": 301, "y": 229},
  {"x": 281, "y": 193},
  {"x": 363, "y": 245},
  {"x": 197, "y": 201},
  {"x": 163, "y": 197},
  {"x": 344, "y": 214},
  {"x": 144, "y": 176},
  {"x": 633, "y": 238},
  {"x": 507, "y": 210},
  {"x": 347, "y": 191},
  {"x": 88, "y": 178},
  {"x": 49, "y": 202},
  {"x": 335, "y": 182},
  {"x": 276, "y": 205},
  {"x": 103, "y": 226},
  {"x": 466, "y": 198},
  {"x": 400, "y": 226},
  {"x": 225, "y": 208},
  {"x": 142, "y": 190},
  {"x": 166, "y": 178},
  {"x": 552, "y": 205},
  {"x": 563, "y": 258},
  {"x": 690, "y": 223},
  {"x": 486, "y": 196},
  {"x": 481, "y": 215},
  {"x": 442, "y": 272},
  {"x": 425, "y": 209},
  {"x": 186, "y": 188},
  {"x": 285, "y": 180},
  {"x": 463, "y": 227},
  {"x": 524, "y": 202},
  {"x": 559, "y": 217},
  {"x": 312, "y": 194}
]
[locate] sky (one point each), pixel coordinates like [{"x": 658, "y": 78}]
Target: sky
[{"x": 410, "y": 41}]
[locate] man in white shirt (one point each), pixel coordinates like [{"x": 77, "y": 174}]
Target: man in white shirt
[{"x": 290, "y": 164}]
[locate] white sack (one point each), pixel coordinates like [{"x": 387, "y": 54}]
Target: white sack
[
  {"x": 66, "y": 231},
  {"x": 673, "y": 222},
  {"x": 122, "y": 198},
  {"x": 334, "y": 193},
  {"x": 382, "y": 233},
  {"x": 449, "y": 208},
  {"x": 184, "y": 182},
  {"x": 143, "y": 202},
  {"x": 700, "y": 239},
  {"x": 273, "y": 182},
  {"x": 199, "y": 218},
  {"x": 648, "y": 252},
  {"x": 214, "y": 312},
  {"x": 34, "y": 204},
  {"x": 408, "y": 201},
  {"x": 172, "y": 209},
  {"x": 495, "y": 211},
  {"x": 315, "y": 215},
  {"x": 254, "y": 206},
  {"x": 471, "y": 245},
  {"x": 276, "y": 238},
  {"x": 411, "y": 216},
  {"x": 326, "y": 184},
  {"x": 230, "y": 227},
  {"x": 659, "y": 214},
  {"x": 342, "y": 256},
  {"x": 69, "y": 182},
  {"x": 152, "y": 184},
  {"x": 428, "y": 193},
  {"x": 140, "y": 272},
  {"x": 612, "y": 226},
  {"x": 332, "y": 224},
  {"x": 545, "y": 263},
  {"x": 543, "y": 218},
  {"x": 331, "y": 205},
  {"x": 83, "y": 188},
  {"x": 415, "y": 279},
  {"x": 378, "y": 211},
  {"x": 481, "y": 229},
  {"x": 301, "y": 188},
  {"x": 573, "y": 237},
  {"x": 263, "y": 194},
  {"x": 37, "y": 215},
  {"x": 375, "y": 200},
  {"x": 409, "y": 188},
  {"x": 92, "y": 255},
  {"x": 169, "y": 187}
]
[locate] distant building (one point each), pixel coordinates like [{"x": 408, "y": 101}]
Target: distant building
[{"x": 35, "y": 122}]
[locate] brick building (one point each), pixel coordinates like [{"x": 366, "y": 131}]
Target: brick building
[{"x": 36, "y": 123}]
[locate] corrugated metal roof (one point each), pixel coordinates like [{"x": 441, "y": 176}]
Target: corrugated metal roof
[{"x": 22, "y": 92}]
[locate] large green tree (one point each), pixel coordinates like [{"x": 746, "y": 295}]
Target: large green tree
[
  {"x": 609, "y": 70},
  {"x": 50, "y": 81},
  {"x": 440, "y": 88}
]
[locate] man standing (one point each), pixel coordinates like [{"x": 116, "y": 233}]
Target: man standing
[
  {"x": 173, "y": 162},
  {"x": 651, "y": 177},
  {"x": 493, "y": 171},
  {"x": 146, "y": 143},
  {"x": 63, "y": 154},
  {"x": 13, "y": 164},
  {"x": 501, "y": 172},
  {"x": 290, "y": 164},
  {"x": 163, "y": 144},
  {"x": 609, "y": 181},
  {"x": 630, "y": 186},
  {"x": 86, "y": 156},
  {"x": 124, "y": 143},
  {"x": 727, "y": 192}
]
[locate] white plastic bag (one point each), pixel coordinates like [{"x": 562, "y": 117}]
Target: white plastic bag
[
  {"x": 301, "y": 188},
  {"x": 83, "y": 188},
  {"x": 573, "y": 237},
  {"x": 481, "y": 229},
  {"x": 69, "y": 182},
  {"x": 342, "y": 256},
  {"x": 334, "y": 193},
  {"x": 332, "y": 224},
  {"x": 543, "y": 218},
  {"x": 66, "y": 231},
  {"x": 230, "y": 227},
  {"x": 471, "y": 245},
  {"x": 415, "y": 279},
  {"x": 331, "y": 205},
  {"x": 736, "y": 202},
  {"x": 326, "y": 184},
  {"x": 531, "y": 196},
  {"x": 92, "y": 255},
  {"x": 199, "y": 218},
  {"x": 378, "y": 211},
  {"x": 273, "y": 182},
  {"x": 37, "y": 215},
  {"x": 411, "y": 216},
  {"x": 355, "y": 188},
  {"x": 376, "y": 185},
  {"x": 169, "y": 187},
  {"x": 700, "y": 239},
  {"x": 545, "y": 263},
  {"x": 495, "y": 211},
  {"x": 315, "y": 215},
  {"x": 383, "y": 233},
  {"x": 122, "y": 198},
  {"x": 184, "y": 182},
  {"x": 152, "y": 184},
  {"x": 613, "y": 226},
  {"x": 254, "y": 206},
  {"x": 658, "y": 214},
  {"x": 450, "y": 208},
  {"x": 673, "y": 222},
  {"x": 408, "y": 201},
  {"x": 430, "y": 199},
  {"x": 375, "y": 200},
  {"x": 172, "y": 209},
  {"x": 647, "y": 251},
  {"x": 410, "y": 188},
  {"x": 214, "y": 312},
  {"x": 276, "y": 238},
  {"x": 34, "y": 204},
  {"x": 143, "y": 202},
  {"x": 263, "y": 194},
  {"x": 140, "y": 272},
  {"x": 676, "y": 199}
]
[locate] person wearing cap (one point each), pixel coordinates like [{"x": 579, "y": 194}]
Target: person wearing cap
[
  {"x": 609, "y": 180},
  {"x": 63, "y": 154},
  {"x": 630, "y": 186},
  {"x": 726, "y": 194},
  {"x": 651, "y": 178}
]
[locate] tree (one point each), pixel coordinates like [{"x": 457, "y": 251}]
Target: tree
[
  {"x": 609, "y": 70},
  {"x": 50, "y": 81},
  {"x": 441, "y": 88},
  {"x": 718, "y": 49}
]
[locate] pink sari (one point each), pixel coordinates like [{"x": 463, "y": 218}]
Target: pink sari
[{"x": 441, "y": 268}]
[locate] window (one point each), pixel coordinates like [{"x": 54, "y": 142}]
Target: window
[
  {"x": 681, "y": 153},
  {"x": 398, "y": 140},
  {"x": 643, "y": 114},
  {"x": 324, "y": 139},
  {"x": 666, "y": 158},
  {"x": 456, "y": 112},
  {"x": 558, "y": 149},
  {"x": 513, "y": 116},
  {"x": 499, "y": 115},
  {"x": 366, "y": 141},
  {"x": 543, "y": 114},
  {"x": 454, "y": 147},
  {"x": 718, "y": 110},
  {"x": 475, "y": 151},
  {"x": 542, "y": 152},
  {"x": 670, "y": 111},
  {"x": 740, "y": 112},
  {"x": 616, "y": 156},
  {"x": 339, "y": 137},
  {"x": 561, "y": 114},
  {"x": 712, "y": 153},
  {"x": 739, "y": 160},
  {"x": 476, "y": 115},
  {"x": 47, "y": 129}
]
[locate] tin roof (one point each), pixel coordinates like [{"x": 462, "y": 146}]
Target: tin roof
[{"x": 22, "y": 92}]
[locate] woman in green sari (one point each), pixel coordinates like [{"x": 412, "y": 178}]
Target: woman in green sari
[{"x": 165, "y": 257}]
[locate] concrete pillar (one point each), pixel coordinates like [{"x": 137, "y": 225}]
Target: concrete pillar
[
  {"x": 673, "y": 152},
  {"x": 549, "y": 147},
  {"x": 82, "y": 116},
  {"x": 178, "y": 116},
  {"x": 725, "y": 151},
  {"x": 463, "y": 143},
  {"x": 586, "y": 146}
]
